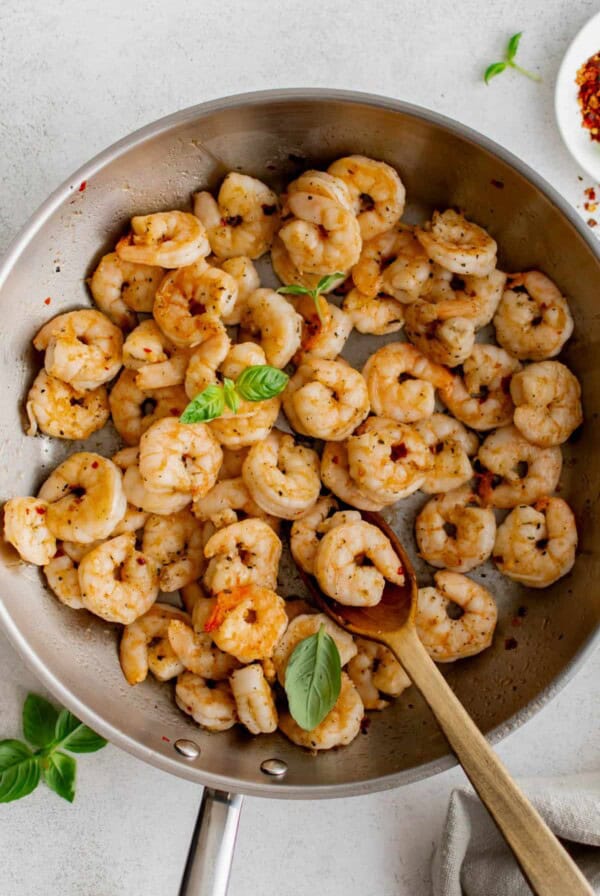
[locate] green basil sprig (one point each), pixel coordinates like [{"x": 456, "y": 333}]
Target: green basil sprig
[
  {"x": 324, "y": 283},
  {"x": 256, "y": 383},
  {"x": 313, "y": 679},
  {"x": 496, "y": 68},
  {"x": 51, "y": 731}
]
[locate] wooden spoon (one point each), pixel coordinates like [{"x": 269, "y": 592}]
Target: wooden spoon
[{"x": 543, "y": 860}]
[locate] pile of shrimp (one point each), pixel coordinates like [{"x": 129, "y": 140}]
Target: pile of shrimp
[{"x": 201, "y": 510}]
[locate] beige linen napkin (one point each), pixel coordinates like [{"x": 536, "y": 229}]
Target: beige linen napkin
[{"x": 473, "y": 860}]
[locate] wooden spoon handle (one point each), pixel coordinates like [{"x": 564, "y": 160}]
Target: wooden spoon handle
[{"x": 543, "y": 860}]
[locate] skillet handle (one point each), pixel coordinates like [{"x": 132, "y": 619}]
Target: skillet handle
[{"x": 210, "y": 855}]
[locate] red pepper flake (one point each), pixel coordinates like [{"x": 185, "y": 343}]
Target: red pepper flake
[
  {"x": 516, "y": 622},
  {"x": 141, "y": 561},
  {"x": 82, "y": 186},
  {"x": 590, "y": 192},
  {"x": 588, "y": 97},
  {"x": 47, "y": 301},
  {"x": 591, "y": 222},
  {"x": 147, "y": 350},
  {"x": 94, "y": 465},
  {"x": 398, "y": 451},
  {"x": 40, "y": 510},
  {"x": 335, "y": 460},
  {"x": 166, "y": 739},
  {"x": 499, "y": 184},
  {"x": 400, "y": 571},
  {"x": 511, "y": 644}
]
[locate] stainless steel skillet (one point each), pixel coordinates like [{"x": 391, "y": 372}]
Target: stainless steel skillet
[{"x": 273, "y": 135}]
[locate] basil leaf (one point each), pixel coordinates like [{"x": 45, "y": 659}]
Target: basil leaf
[
  {"x": 313, "y": 679},
  {"x": 73, "y": 735},
  {"x": 19, "y": 770},
  {"x": 59, "y": 771},
  {"x": 327, "y": 281},
  {"x": 294, "y": 290},
  {"x": 259, "y": 382},
  {"x": 496, "y": 68},
  {"x": 210, "y": 403},
  {"x": 232, "y": 399},
  {"x": 39, "y": 720},
  {"x": 513, "y": 46}
]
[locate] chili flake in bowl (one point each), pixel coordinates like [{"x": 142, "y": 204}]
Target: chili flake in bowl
[{"x": 588, "y": 80}]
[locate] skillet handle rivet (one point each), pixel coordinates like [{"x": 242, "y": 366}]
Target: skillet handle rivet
[
  {"x": 187, "y": 748},
  {"x": 275, "y": 767}
]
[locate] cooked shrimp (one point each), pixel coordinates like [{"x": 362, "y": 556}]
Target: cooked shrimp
[
  {"x": 235, "y": 431},
  {"x": 377, "y": 193},
  {"x": 451, "y": 447},
  {"x": 250, "y": 620},
  {"x": 445, "y": 635},
  {"x": 326, "y": 399},
  {"x": 242, "y": 220},
  {"x": 376, "y": 316},
  {"x": 281, "y": 476},
  {"x": 229, "y": 501},
  {"x": 336, "y": 477},
  {"x": 179, "y": 457},
  {"x": 375, "y": 669},
  {"x": 120, "y": 288},
  {"x": 167, "y": 239},
  {"x": 134, "y": 410},
  {"x": 325, "y": 332},
  {"x": 402, "y": 382},
  {"x": 287, "y": 271},
  {"x": 395, "y": 264},
  {"x": 388, "y": 460},
  {"x": 339, "y": 565},
  {"x": 195, "y": 648},
  {"x": 312, "y": 525},
  {"x": 455, "y": 531},
  {"x": 337, "y": 729},
  {"x": 526, "y": 472},
  {"x": 204, "y": 362},
  {"x": 57, "y": 409},
  {"x": 25, "y": 527},
  {"x": 190, "y": 302},
  {"x": 533, "y": 319},
  {"x": 457, "y": 244},
  {"x": 158, "y": 362},
  {"x": 210, "y": 705},
  {"x": 254, "y": 699},
  {"x": 63, "y": 580},
  {"x": 118, "y": 583},
  {"x": 247, "y": 552},
  {"x": 443, "y": 331},
  {"x": 161, "y": 501},
  {"x": 246, "y": 276},
  {"x": 303, "y": 626},
  {"x": 483, "y": 292},
  {"x": 85, "y": 497},
  {"x": 83, "y": 348},
  {"x": 548, "y": 403},
  {"x": 271, "y": 319},
  {"x": 138, "y": 638},
  {"x": 322, "y": 236},
  {"x": 536, "y": 545},
  {"x": 481, "y": 396},
  {"x": 176, "y": 542}
]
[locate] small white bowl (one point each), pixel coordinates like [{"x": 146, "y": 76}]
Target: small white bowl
[{"x": 584, "y": 150}]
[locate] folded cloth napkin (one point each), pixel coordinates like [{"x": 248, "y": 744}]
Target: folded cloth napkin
[{"x": 472, "y": 859}]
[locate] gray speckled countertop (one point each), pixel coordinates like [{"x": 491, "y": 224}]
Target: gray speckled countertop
[{"x": 75, "y": 75}]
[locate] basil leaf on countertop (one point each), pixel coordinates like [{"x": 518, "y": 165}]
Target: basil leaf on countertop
[
  {"x": 313, "y": 679},
  {"x": 19, "y": 770},
  {"x": 73, "y": 735},
  {"x": 59, "y": 771},
  {"x": 39, "y": 720}
]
